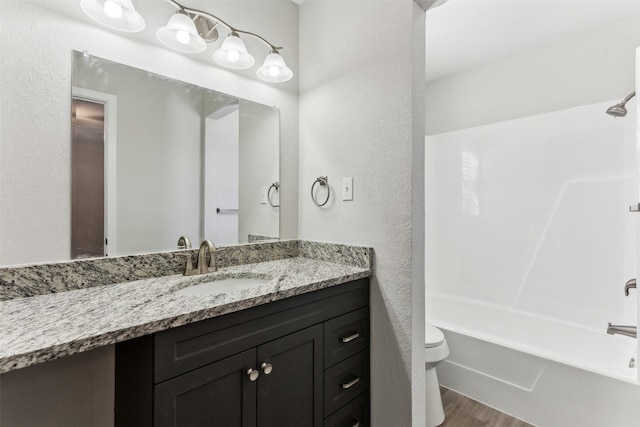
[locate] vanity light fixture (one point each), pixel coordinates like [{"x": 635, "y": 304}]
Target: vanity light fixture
[
  {"x": 116, "y": 14},
  {"x": 189, "y": 31}
]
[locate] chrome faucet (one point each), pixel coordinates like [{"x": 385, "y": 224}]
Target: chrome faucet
[
  {"x": 203, "y": 267},
  {"x": 631, "y": 284},
  {"x": 629, "y": 331}
]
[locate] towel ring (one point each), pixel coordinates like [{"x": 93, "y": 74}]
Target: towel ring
[
  {"x": 275, "y": 185},
  {"x": 323, "y": 181}
]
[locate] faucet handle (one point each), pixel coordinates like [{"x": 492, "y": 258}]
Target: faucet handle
[
  {"x": 188, "y": 268},
  {"x": 212, "y": 258}
]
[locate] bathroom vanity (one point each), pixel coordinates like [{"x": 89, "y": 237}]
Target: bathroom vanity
[
  {"x": 291, "y": 350},
  {"x": 297, "y": 361}
]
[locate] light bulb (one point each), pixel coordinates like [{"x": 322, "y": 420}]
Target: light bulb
[
  {"x": 233, "y": 55},
  {"x": 274, "y": 71},
  {"x": 183, "y": 36},
  {"x": 112, "y": 9}
]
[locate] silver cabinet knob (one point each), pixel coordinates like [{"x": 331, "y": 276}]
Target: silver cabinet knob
[
  {"x": 253, "y": 374},
  {"x": 266, "y": 368}
]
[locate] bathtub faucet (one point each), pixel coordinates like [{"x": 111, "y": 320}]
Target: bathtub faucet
[
  {"x": 631, "y": 284},
  {"x": 629, "y": 331}
]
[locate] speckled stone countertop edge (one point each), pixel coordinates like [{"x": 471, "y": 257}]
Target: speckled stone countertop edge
[
  {"x": 39, "y": 279},
  {"x": 75, "y": 326}
]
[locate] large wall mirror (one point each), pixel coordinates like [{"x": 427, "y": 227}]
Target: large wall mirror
[{"x": 154, "y": 159}]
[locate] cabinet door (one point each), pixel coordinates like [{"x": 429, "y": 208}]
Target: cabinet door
[
  {"x": 220, "y": 394},
  {"x": 291, "y": 394}
]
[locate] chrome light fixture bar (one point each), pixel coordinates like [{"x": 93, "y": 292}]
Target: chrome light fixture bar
[{"x": 189, "y": 31}]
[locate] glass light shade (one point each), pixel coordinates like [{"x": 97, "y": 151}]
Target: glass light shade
[
  {"x": 115, "y": 14},
  {"x": 274, "y": 69},
  {"x": 180, "y": 34},
  {"x": 233, "y": 54}
]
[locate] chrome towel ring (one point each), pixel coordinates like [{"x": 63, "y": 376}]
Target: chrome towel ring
[
  {"x": 323, "y": 181},
  {"x": 276, "y": 186}
]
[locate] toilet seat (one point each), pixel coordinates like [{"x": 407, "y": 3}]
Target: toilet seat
[{"x": 433, "y": 336}]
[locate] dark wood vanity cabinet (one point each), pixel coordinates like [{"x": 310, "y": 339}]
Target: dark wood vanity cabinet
[{"x": 302, "y": 361}]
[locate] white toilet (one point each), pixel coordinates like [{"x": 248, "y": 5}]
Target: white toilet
[{"x": 435, "y": 351}]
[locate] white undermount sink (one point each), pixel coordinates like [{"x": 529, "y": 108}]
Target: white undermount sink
[{"x": 222, "y": 285}]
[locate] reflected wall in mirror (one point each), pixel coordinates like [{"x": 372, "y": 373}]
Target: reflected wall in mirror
[{"x": 178, "y": 160}]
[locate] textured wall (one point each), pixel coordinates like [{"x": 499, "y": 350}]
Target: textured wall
[
  {"x": 361, "y": 117},
  {"x": 35, "y": 106}
]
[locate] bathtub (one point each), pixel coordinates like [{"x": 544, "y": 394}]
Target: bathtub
[{"x": 546, "y": 372}]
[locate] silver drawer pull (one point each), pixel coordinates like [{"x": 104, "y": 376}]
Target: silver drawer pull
[
  {"x": 350, "y": 384},
  {"x": 350, "y": 337},
  {"x": 634, "y": 208},
  {"x": 356, "y": 424}
]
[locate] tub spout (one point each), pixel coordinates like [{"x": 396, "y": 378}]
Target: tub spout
[{"x": 629, "y": 331}]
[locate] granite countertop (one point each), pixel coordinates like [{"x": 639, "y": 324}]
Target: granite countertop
[{"x": 45, "y": 327}]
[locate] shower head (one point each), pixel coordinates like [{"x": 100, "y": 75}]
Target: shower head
[{"x": 619, "y": 109}]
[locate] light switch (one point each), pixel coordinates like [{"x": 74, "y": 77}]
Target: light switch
[
  {"x": 347, "y": 188},
  {"x": 263, "y": 195}
]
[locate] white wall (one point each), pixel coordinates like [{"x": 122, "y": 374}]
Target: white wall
[
  {"x": 584, "y": 69},
  {"x": 258, "y": 169},
  {"x": 361, "y": 116},
  {"x": 221, "y": 179},
  {"x": 35, "y": 105}
]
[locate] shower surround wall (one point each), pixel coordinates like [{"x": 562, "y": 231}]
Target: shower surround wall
[
  {"x": 531, "y": 214},
  {"x": 531, "y": 242}
]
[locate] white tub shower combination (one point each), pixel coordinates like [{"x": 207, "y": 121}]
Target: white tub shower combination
[{"x": 530, "y": 242}]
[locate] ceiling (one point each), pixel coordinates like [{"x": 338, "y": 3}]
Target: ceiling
[{"x": 461, "y": 34}]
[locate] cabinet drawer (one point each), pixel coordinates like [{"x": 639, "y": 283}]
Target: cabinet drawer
[
  {"x": 189, "y": 347},
  {"x": 345, "y": 381},
  {"x": 345, "y": 336},
  {"x": 353, "y": 414}
]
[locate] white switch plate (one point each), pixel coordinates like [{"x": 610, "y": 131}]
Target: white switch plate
[
  {"x": 347, "y": 188},
  {"x": 263, "y": 195}
]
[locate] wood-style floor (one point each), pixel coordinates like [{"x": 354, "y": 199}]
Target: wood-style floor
[{"x": 460, "y": 411}]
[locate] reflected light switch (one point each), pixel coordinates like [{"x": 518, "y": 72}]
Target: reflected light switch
[
  {"x": 263, "y": 195},
  {"x": 347, "y": 188}
]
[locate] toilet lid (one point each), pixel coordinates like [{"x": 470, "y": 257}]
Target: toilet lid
[{"x": 433, "y": 336}]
